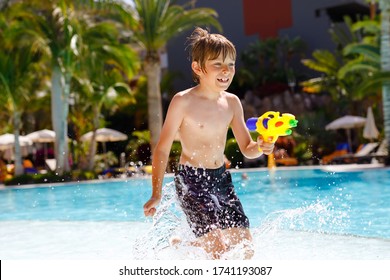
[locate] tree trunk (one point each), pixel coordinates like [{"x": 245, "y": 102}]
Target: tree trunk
[
  {"x": 65, "y": 109},
  {"x": 372, "y": 5},
  {"x": 19, "y": 169},
  {"x": 59, "y": 119},
  {"x": 155, "y": 117},
  {"x": 385, "y": 64},
  {"x": 93, "y": 143}
]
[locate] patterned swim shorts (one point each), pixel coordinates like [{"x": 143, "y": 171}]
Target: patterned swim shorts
[{"x": 208, "y": 199}]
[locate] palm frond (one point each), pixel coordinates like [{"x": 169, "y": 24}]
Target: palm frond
[
  {"x": 159, "y": 21},
  {"x": 369, "y": 51},
  {"x": 324, "y": 61},
  {"x": 374, "y": 83},
  {"x": 358, "y": 65}
]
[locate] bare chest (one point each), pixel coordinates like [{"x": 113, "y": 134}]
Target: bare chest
[{"x": 208, "y": 117}]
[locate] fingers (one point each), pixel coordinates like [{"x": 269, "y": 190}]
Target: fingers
[
  {"x": 269, "y": 140},
  {"x": 266, "y": 146},
  {"x": 150, "y": 207},
  {"x": 150, "y": 212}
]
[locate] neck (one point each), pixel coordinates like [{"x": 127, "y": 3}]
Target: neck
[{"x": 207, "y": 93}]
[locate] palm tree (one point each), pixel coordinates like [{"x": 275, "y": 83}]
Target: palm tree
[
  {"x": 59, "y": 26},
  {"x": 107, "y": 65},
  {"x": 340, "y": 86},
  {"x": 157, "y": 22},
  {"x": 364, "y": 59},
  {"x": 378, "y": 62},
  {"x": 20, "y": 57}
]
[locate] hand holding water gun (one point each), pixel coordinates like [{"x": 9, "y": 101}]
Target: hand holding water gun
[{"x": 271, "y": 125}]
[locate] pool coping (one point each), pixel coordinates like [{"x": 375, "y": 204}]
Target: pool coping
[{"x": 326, "y": 168}]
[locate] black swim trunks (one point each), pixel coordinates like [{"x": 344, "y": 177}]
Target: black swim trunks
[{"x": 208, "y": 199}]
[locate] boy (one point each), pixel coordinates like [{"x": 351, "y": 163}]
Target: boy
[{"x": 201, "y": 116}]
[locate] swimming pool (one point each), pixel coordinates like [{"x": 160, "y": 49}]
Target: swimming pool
[{"x": 306, "y": 206}]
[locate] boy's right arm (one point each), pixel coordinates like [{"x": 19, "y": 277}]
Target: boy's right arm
[
  {"x": 171, "y": 126},
  {"x": 159, "y": 164}
]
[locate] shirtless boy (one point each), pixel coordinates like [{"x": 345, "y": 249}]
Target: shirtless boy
[{"x": 201, "y": 116}]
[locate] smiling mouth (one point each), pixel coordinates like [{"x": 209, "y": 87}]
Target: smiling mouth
[{"x": 223, "y": 80}]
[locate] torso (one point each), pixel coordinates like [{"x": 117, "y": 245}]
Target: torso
[{"x": 203, "y": 129}]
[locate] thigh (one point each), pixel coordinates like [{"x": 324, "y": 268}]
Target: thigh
[
  {"x": 235, "y": 236},
  {"x": 213, "y": 243}
]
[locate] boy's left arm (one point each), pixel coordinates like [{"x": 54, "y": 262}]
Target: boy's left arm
[{"x": 248, "y": 147}]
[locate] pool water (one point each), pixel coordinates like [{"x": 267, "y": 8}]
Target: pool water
[{"x": 308, "y": 206}]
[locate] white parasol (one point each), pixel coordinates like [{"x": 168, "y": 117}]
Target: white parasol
[
  {"x": 7, "y": 143},
  {"x": 105, "y": 135},
  {"x": 347, "y": 122},
  {"x": 370, "y": 130},
  {"x": 43, "y": 136}
]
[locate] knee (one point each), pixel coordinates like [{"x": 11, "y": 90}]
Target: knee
[
  {"x": 217, "y": 248},
  {"x": 249, "y": 250},
  {"x": 214, "y": 244}
]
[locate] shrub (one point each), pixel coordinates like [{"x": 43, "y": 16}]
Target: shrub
[
  {"x": 232, "y": 152},
  {"x": 50, "y": 177}
]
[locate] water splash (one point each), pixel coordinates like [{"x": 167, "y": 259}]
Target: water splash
[
  {"x": 319, "y": 217},
  {"x": 169, "y": 221},
  {"x": 275, "y": 230}
]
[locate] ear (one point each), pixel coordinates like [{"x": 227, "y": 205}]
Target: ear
[{"x": 196, "y": 68}]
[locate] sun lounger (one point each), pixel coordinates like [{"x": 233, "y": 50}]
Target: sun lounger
[
  {"x": 51, "y": 163},
  {"x": 382, "y": 152},
  {"x": 341, "y": 149},
  {"x": 287, "y": 161},
  {"x": 364, "y": 155}
]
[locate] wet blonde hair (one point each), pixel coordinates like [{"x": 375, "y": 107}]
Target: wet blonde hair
[{"x": 204, "y": 46}]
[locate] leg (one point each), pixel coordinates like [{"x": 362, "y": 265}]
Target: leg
[
  {"x": 213, "y": 243},
  {"x": 218, "y": 242},
  {"x": 237, "y": 235}
]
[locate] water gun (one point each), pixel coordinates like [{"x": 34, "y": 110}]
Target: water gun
[{"x": 271, "y": 125}]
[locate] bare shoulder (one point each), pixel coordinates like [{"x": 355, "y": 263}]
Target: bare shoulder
[
  {"x": 233, "y": 100},
  {"x": 183, "y": 96},
  {"x": 232, "y": 97},
  {"x": 179, "y": 99}
]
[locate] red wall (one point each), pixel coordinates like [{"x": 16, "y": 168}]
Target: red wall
[{"x": 266, "y": 17}]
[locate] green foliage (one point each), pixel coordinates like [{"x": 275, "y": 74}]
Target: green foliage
[
  {"x": 37, "y": 179},
  {"x": 323, "y": 61},
  {"x": 303, "y": 152},
  {"x": 103, "y": 161},
  {"x": 160, "y": 20},
  {"x": 346, "y": 73},
  {"x": 20, "y": 180},
  {"x": 175, "y": 150},
  {"x": 51, "y": 177},
  {"x": 80, "y": 175},
  {"x": 268, "y": 61},
  {"x": 313, "y": 141},
  {"x": 174, "y": 156},
  {"x": 139, "y": 147},
  {"x": 232, "y": 152}
]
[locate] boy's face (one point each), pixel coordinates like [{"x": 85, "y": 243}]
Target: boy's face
[{"x": 218, "y": 73}]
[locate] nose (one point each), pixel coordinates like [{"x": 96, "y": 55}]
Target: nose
[{"x": 225, "y": 69}]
